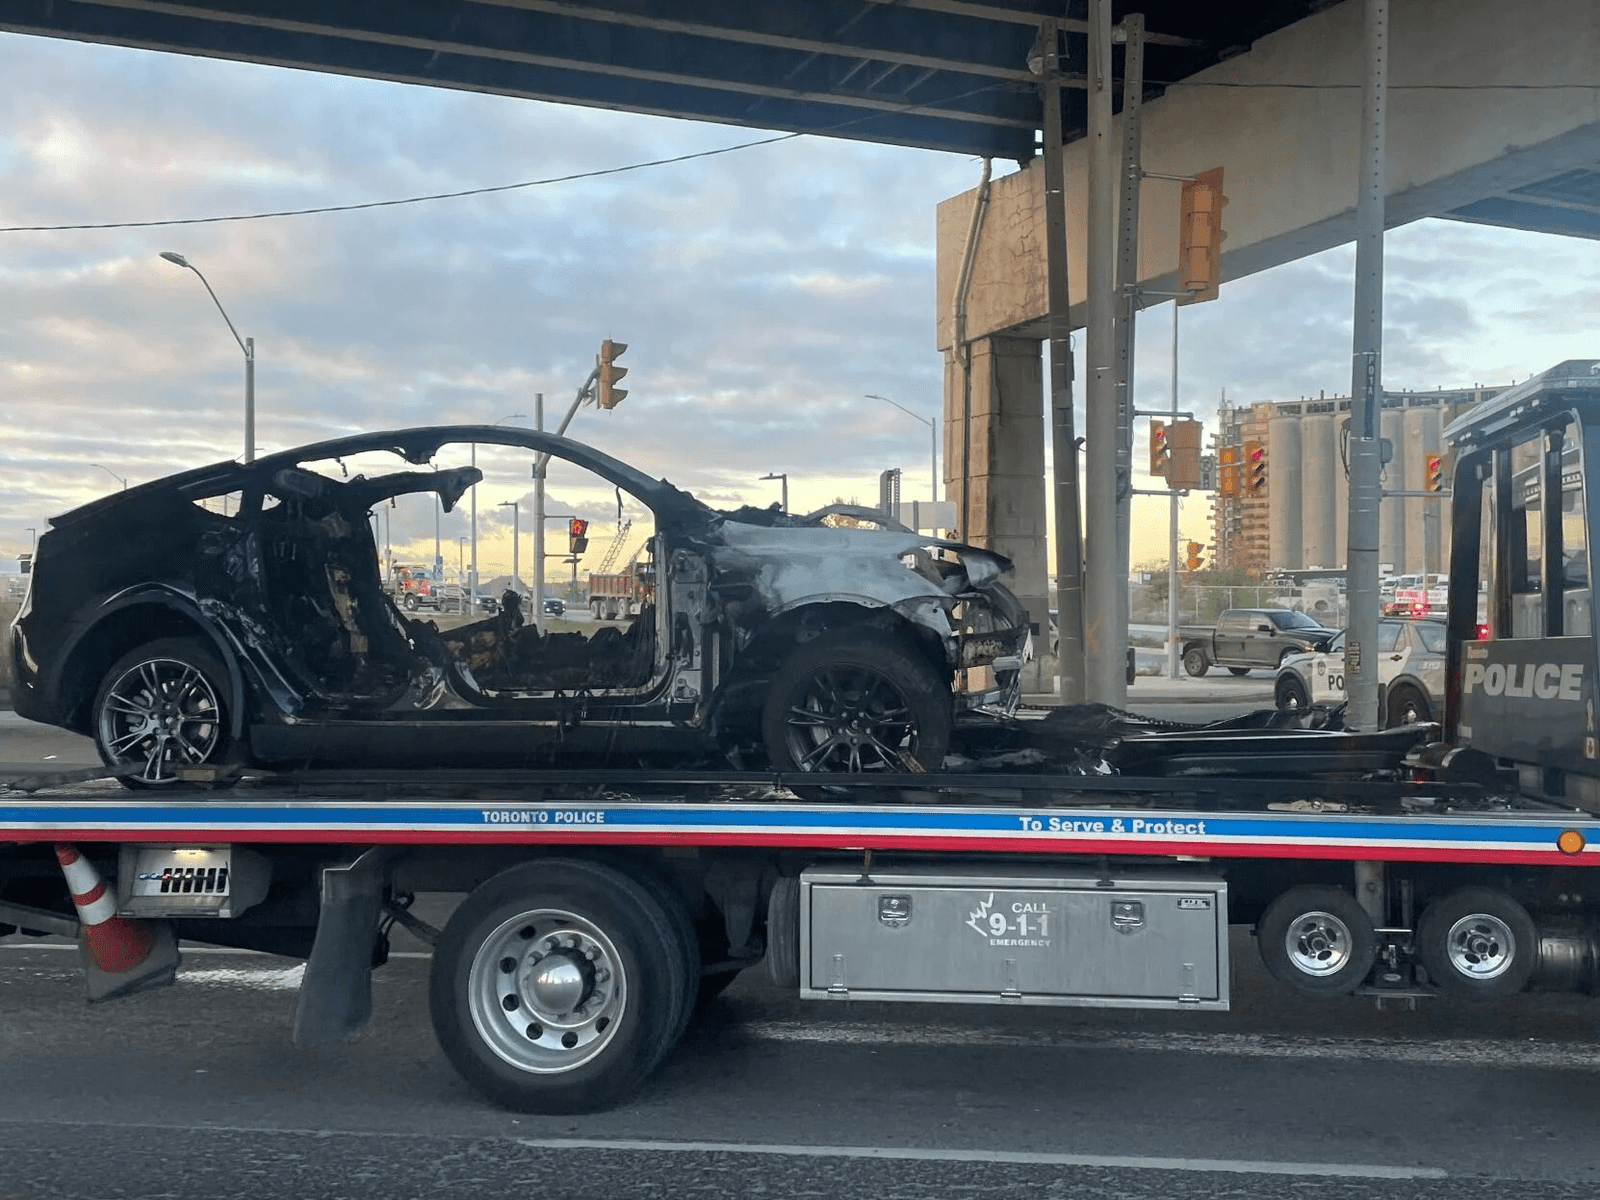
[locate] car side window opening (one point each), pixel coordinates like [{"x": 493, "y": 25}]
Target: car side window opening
[
  {"x": 1388, "y": 636},
  {"x": 1525, "y": 551},
  {"x": 1434, "y": 638}
]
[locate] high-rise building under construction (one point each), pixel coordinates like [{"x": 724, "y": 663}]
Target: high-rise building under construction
[{"x": 1297, "y": 517}]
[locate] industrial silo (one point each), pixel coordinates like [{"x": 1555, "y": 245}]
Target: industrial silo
[
  {"x": 1284, "y": 485},
  {"x": 1319, "y": 463}
]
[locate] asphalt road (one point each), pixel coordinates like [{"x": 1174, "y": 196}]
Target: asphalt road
[{"x": 194, "y": 1091}]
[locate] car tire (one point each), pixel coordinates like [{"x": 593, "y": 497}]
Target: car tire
[
  {"x": 1195, "y": 662},
  {"x": 1317, "y": 939},
  {"x": 1289, "y": 694},
  {"x": 575, "y": 1035},
  {"x": 857, "y": 700},
  {"x": 1238, "y": 670},
  {"x": 164, "y": 705},
  {"x": 1406, "y": 706}
]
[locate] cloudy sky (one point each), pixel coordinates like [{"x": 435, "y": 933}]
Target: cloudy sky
[{"x": 762, "y": 292}]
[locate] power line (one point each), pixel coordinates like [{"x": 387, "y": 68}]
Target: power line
[{"x": 333, "y": 208}]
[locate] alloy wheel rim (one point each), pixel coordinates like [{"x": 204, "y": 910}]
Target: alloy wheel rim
[
  {"x": 1481, "y": 946},
  {"x": 1318, "y": 944},
  {"x": 850, "y": 719},
  {"x": 162, "y": 713}
]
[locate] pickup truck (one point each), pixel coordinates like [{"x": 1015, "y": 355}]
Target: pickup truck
[{"x": 1244, "y": 638}]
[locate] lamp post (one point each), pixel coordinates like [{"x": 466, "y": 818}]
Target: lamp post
[
  {"x": 474, "y": 520},
  {"x": 248, "y": 345},
  {"x": 516, "y": 537},
  {"x": 933, "y": 442},
  {"x": 33, "y": 537},
  {"x": 783, "y": 476},
  {"x": 113, "y": 475}
]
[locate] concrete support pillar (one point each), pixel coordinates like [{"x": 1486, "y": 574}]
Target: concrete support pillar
[{"x": 1005, "y": 495}]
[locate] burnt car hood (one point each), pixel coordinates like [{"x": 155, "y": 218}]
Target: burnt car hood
[{"x": 798, "y": 564}]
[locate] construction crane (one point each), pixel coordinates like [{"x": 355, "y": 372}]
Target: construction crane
[{"x": 615, "y": 549}]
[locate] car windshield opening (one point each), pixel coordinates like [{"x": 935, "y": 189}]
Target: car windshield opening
[{"x": 1292, "y": 620}]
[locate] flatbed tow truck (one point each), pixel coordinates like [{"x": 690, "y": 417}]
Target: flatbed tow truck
[{"x": 601, "y": 905}]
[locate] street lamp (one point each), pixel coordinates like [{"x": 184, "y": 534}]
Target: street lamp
[
  {"x": 474, "y": 521},
  {"x": 113, "y": 475},
  {"x": 248, "y": 345},
  {"x": 933, "y": 441},
  {"x": 516, "y": 537},
  {"x": 784, "y": 477}
]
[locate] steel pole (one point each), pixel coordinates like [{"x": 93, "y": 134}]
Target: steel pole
[
  {"x": 1172, "y": 527},
  {"x": 1102, "y": 636},
  {"x": 472, "y": 590},
  {"x": 1064, "y": 440},
  {"x": 1127, "y": 308},
  {"x": 1366, "y": 389},
  {"x": 538, "y": 519},
  {"x": 250, "y": 399},
  {"x": 933, "y": 463}
]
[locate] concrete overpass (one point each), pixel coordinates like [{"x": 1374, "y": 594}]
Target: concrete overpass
[{"x": 1494, "y": 117}]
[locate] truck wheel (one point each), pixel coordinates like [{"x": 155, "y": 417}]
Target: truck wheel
[
  {"x": 1407, "y": 706},
  {"x": 410, "y": 602},
  {"x": 1478, "y": 943},
  {"x": 163, "y": 708},
  {"x": 1289, "y": 694},
  {"x": 1195, "y": 661},
  {"x": 559, "y": 985},
  {"x": 854, "y": 700},
  {"x": 1317, "y": 939}
]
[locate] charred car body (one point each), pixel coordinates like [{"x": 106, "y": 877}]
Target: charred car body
[{"x": 183, "y": 638}]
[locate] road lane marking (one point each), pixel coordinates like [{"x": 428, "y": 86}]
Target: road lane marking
[{"x": 1231, "y": 1166}]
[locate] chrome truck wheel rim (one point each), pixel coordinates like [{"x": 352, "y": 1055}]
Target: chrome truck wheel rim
[
  {"x": 1318, "y": 944},
  {"x": 1481, "y": 946},
  {"x": 547, "y": 990},
  {"x": 164, "y": 714}
]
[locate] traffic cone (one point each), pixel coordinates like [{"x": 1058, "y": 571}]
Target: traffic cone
[{"x": 120, "y": 955}]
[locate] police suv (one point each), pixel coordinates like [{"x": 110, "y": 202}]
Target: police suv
[{"x": 1410, "y": 673}]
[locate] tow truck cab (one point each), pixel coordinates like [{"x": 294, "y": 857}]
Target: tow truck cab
[{"x": 1522, "y": 506}]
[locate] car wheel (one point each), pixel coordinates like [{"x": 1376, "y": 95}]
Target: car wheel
[
  {"x": 1195, "y": 661},
  {"x": 1290, "y": 694},
  {"x": 853, "y": 700},
  {"x": 1407, "y": 706},
  {"x": 1238, "y": 670},
  {"x": 162, "y": 709}
]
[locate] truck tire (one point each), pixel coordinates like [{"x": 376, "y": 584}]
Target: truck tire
[
  {"x": 594, "y": 609},
  {"x": 1195, "y": 661},
  {"x": 161, "y": 708},
  {"x": 409, "y": 602},
  {"x": 783, "y": 933},
  {"x": 1406, "y": 706},
  {"x": 1317, "y": 939},
  {"x": 857, "y": 700},
  {"x": 559, "y": 985},
  {"x": 1478, "y": 943}
]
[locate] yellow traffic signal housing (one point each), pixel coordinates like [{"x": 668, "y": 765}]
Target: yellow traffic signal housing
[
  {"x": 1200, "y": 237},
  {"x": 1255, "y": 469},
  {"x": 1193, "y": 552},
  {"x": 1183, "y": 467},
  {"x": 1160, "y": 454},
  {"x": 610, "y": 395},
  {"x": 1433, "y": 473},
  {"x": 577, "y": 535},
  {"x": 1228, "y": 471}
]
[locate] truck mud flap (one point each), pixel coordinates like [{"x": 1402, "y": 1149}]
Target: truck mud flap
[{"x": 335, "y": 1000}]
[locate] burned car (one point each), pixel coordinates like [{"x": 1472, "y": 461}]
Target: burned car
[{"x": 235, "y": 615}]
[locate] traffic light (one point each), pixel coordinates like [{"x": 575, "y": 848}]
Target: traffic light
[
  {"x": 1255, "y": 469},
  {"x": 1433, "y": 473},
  {"x": 1193, "y": 552},
  {"x": 1200, "y": 237},
  {"x": 1160, "y": 453},
  {"x": 1228, "y": 471},
  {"x": 610, "y": 395},
  {"x": 577, "y": 536},
  {"x": 1183, "y": 470}
]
